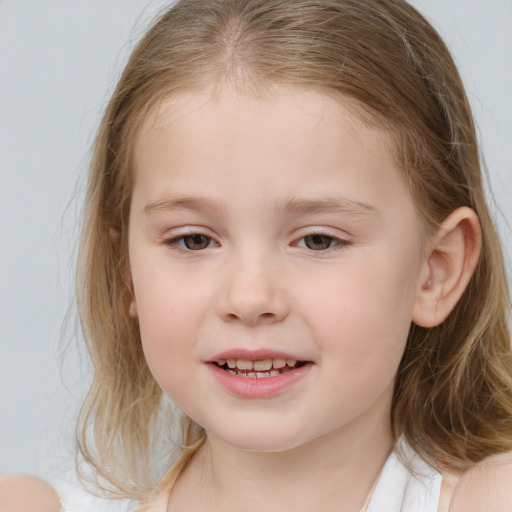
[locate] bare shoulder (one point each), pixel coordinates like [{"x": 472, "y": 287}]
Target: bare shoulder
[
  {"x": 487, "y": 486},
  {"x": 24, "y": 493}
]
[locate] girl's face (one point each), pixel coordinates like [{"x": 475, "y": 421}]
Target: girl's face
[{"x": 267, "y": 230}]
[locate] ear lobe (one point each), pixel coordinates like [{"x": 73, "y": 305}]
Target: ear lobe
[
  {"x": 115, "y": 237},
  {"x": 453, "y": 255},
  {"x": 114, "y": 234},
  {"x": 132, "y": 310}
]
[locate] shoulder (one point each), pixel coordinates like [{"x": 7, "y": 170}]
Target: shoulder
[
  {"x": 24, "y": 493},
  {"x": 487, "y": 486}
]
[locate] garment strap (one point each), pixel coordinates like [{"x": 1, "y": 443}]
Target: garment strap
[
  {"x": 448, "y": 485},
  {"x": 62, "y": 506},
  {"x": 157, "y": 504}
]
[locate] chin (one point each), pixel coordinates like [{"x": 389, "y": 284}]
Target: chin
[{"x": 259, "y": 438}]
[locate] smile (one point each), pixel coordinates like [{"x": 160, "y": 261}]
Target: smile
[
  {"x": 262, "y": 375},
  {"x": 260, "y": 369}
]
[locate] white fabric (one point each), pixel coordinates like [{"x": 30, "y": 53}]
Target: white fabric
[
  {"x": 74, "y": 498},
  {"x": 398, "y": 490},
  {"x": 401, "y": 490}
]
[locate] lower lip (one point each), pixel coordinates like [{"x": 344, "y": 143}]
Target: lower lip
[{"x": 252, "y": 387}]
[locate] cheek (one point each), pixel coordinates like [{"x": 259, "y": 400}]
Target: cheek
[
  {"x": 169, "y": 341},
  {"x": 361, "y": 318},
  {"x": 169, "y": 312},
  {"x": 168, "y": 301}
]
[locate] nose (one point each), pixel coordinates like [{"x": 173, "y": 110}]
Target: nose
[{"x": 253, "y": 293}]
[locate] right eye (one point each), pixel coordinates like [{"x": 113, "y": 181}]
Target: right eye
[
  {"x": 319, "y": 242},
  {"x": 193, "y": 242}
]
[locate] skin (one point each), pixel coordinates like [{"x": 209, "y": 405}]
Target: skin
[
  {"x": 24, "y": 493},
  {"x": 230, "y": 168},
  {"x": 256, "y": 283}
]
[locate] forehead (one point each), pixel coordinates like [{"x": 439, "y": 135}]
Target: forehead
[
  {"x": 259, "y": 155},
  {"x": 292, "y": 115}
]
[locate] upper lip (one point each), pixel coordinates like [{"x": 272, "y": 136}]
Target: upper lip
[{"x": 254, "y": 355}]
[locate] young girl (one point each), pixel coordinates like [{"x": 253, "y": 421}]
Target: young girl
[{"x": 285, "y": 234}]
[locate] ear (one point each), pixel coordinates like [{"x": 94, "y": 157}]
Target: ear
[
  {"x": 132, "y": 309},
  {"x": 115, "y": 237},
  {"x": 452, "y": 256}
]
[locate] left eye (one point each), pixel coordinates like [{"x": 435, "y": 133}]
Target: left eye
[{"x": 318, "y": 242}]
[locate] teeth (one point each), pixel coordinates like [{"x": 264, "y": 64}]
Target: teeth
[
  {"x": 260, "y": 369},
  {"x": 278, "y": 363},
  {"x": 263, "y": 365},
  {"x": 244, "y": 364}
]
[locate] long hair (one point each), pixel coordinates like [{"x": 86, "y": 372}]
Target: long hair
[{"x": 453, "y": 392}]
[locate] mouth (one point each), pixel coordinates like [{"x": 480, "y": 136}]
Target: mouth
[
  {"x": 260, "y": 373},
  {"x": 258, "y": 369}
]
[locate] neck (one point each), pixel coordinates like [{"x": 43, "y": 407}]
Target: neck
[{"x": 335, "y": 472}]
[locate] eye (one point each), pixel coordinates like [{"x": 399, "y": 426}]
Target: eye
[
  {"x": 192, "y": 242},
  {"x": 319, "y": 242},
  {"x": 196, "y": 242}
]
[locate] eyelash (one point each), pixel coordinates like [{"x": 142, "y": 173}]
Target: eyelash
[
  {"x": 179, "y": 241},
  {"x": 334, "y": 243}
]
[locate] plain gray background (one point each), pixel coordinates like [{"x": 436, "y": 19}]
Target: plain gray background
[{"x": 58, "y": 63}]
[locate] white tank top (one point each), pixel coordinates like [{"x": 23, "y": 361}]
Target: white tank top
[{"x": 398, "y": 489}]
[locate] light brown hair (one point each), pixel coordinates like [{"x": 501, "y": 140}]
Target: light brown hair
[{"x": 453, "y": 393}]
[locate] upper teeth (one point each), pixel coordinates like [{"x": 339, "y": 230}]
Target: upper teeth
[{"x": 261, "y": 365}]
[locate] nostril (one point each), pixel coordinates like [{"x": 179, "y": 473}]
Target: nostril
[
  {"x": 252, "y": 306},
  {"x": 250, "y": 318}
]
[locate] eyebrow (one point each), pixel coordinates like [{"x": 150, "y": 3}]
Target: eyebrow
[
  {"x": 173, "y": 203},
  {"x": 293, "y": 205},
  {"x": 327, "y": 205}
]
